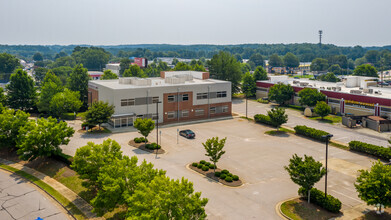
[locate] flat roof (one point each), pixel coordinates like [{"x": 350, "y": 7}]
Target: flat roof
[{"x": 155, "y": 82}]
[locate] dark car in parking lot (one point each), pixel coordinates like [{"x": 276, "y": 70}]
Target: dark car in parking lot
[{"x": 187, "y": 133}]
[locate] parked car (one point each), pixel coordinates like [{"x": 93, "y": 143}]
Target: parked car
[
  {"x": 382, "y": 83},
  {"x": 187, "y": 133}
]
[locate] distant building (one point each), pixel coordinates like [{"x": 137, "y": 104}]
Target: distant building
[
  {"x": 95, "y": 75},
  {"x": 184, "y": 96},
  {"x": 141, "y": 62},
  {"x": 114, "y": 67}
]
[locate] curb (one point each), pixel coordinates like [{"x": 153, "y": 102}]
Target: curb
[{"x": 278, "y": 208}]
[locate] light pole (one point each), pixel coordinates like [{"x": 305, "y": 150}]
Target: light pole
[
  {"x": 245, "y": 92},
  {"x": 157, "y": 125},
  {"x": 327, "y": 137}
]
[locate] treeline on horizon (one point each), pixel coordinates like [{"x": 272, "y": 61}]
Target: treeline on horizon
[{"x": 306, "y": 52}]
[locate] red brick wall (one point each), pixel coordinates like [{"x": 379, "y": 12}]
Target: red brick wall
[{"x": 205, "y": 75}]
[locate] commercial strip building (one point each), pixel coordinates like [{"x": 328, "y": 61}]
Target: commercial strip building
[
  {"x": 358, "y": 96},
  {"x": 177, "y": 96}
]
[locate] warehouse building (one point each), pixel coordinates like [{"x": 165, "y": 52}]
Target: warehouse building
[{"x": 176, "y": 96}]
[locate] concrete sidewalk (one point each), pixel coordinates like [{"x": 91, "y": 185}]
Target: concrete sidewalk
[{"x": 80, "y": 203}]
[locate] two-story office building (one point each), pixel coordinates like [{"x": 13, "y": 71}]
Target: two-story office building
[{"x": 176, "y": 96}]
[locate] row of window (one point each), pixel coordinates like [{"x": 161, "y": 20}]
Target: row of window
[
  {"x": 204, "y": 95},
  {"x": 139, "y": 101},
  {"x": 198, "y": 112},
  {"x": 173, "y": 98}
]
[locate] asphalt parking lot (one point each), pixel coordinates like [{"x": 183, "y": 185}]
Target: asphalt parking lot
[{"x": 256, "y": 158}]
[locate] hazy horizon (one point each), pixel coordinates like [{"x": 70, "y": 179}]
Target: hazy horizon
[{"x": 179, "y": 22}]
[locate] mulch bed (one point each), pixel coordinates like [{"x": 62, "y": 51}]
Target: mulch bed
[
  {"x": 372, "y": 215},
  {"x": 304, "y": 210},
  {"x": 210, "y": 174},
  {"x": 141, "y": 146}
]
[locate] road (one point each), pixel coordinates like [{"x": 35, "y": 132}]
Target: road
[
  {"x": 340, "y": 132},
  {"x": 22, "y": 200}
]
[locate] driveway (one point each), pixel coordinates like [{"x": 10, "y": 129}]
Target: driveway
[
  {"x": 258, "y": 159},
  {"x": 340, "y": 132},
  {"x": 22, "y": 200}
]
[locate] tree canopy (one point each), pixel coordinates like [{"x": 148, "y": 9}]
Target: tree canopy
[
  {"x": 291, "y": 60},
  {"x": 277, "y": 116},
  {"x": 260, "y": 74},
  {"x": 107, "y": 74},
  {"x": 66, "y": 101},
  {"x": 365, "y": 70},
  {"x": 319, "y": 64},
  {"x": 8, "y": 63},
  {"x": 78, "y": 82},
  {"x": 10, "y": 123},
  {"x": 21, "y": 93},
  {"x": 99, "y": 112},
  {"x": 249, "y": 85},
  {"x": 310, "y": 96},
  {"x": 38, "y": 57},
  {"x": 280, "y": 93},
  {"x": 144, "y": 126},
  {"x": 135, "y": 71},
  {"x": 275, "y": 61},
  {"x": 92, "y": 58},
  {"x": 256, "y": 59},
  {"x": 322, "y": 109},
  {"x": 51, "y": 86},
  {"x": 329, "y": 77},
  {"x": 214, "y": 149}
]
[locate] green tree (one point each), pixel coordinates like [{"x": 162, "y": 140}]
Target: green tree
[
  {"x": 66, "y": 101},
  {"x": 8, "y": 63},
  {"x": 319, "y": 64},
  {"x": 260, "y": 74},
  {"x": 38, "y": 57},
  {"x": 336, "y": 69},
  {"x": 372, "y": 56},
  {"x": 175, "y": 61},
  {"x": 62, "y": 73},
  {"x": 245, "y": 67},
  {"x": 281, "y": 93},
  {"x": 10, "y": 123},
  {"x": 51, "y": 86},
  {"x": 329, "y": 77},
  {"x": 144, "y": 126},
  {"x": 78, "y": 82},
  {"x": 124, "y": 65},
  {"x": 277, "y": 116},
  {"x": 164, "y": 198},
  {"x": 310, "y": 96},
  {"x": 291, "y": 61},
  {"x": 182, "y": 66},
  {"x": 99, "y": 112},
  {"x": 134, "y": 71},
  {"x": 374, "y": 186},
  {"x": 249, "y": 85},
  {"x": 21, "y": 93},
  {"x": 92, "y": 58},
  {"x": 66, "y": 61},
  {"x": 214, "y": 149},
  {"x": 39, "y": 74},
  {"x": 199, "y": 67},
  {"x": 257, "y": 59},
  {"x": 322, "y": 109},
  {"x": 275, "y": 61},
  {"x": 3, "y": 98},
  {"x": 224, "y": 66},
  {"x": 42, "y": 138},
  {"x": 365, "y": 70},
  {"x": 305, "y": 173},
  {"x": 107, "y": 74}
]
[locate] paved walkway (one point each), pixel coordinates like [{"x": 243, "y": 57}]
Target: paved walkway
[
  {"x": 22, "y": 200},
  {"x": 80, "y": 203}
]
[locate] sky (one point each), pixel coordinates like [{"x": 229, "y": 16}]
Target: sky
[{"x": 114, "y": 22}]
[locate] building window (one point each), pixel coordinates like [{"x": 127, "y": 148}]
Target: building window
[
  {"x": 199, "y": 112},
  {"x": 212, "y": 110},
  {"x": 127, "y": 102},
  {"x": 155, "y": 99},
  {"x": 224, "y": 109},
  {"x": 221, "y": 94},
  {"x": 154, "y": 116},
  {"x": 171, "y": 98},
  {"x": 202, "y": 95},
  {"x": 185, "y": 113},
  {"x": 185, "y": 97},
  {"x": 171, "y": 115}
]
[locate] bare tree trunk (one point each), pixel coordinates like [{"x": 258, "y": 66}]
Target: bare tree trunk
[
  {"x": 214, "y": 168},
  {"x": 309, "y": 196}
]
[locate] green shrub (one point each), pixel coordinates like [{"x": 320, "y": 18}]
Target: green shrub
[
  {"x": 229, "y": 174},
  {"x": 264, "y": 119},
  {"x": 378, "y": 151},
  {"x": 194, "y": 164},
  {"x": 223, "y": 176},
  {"x": 211, "y": 166},
  {"x": 330, "y": 203},
  {"x": 68, "y": 116},
  {"x": 207, "y": 164},
  {"x": 228, "y": 179},
  {"x": 200, "y": 166},
  {"x": 235, "y": 178},
  {"x": 264, "y": 101},
  {"x": 310, "y": 132},
  {"x": 225, "y": 171},
  {"x": 202, "y": 162},
  {"x": 137, "y": 140},
  {"x": 205, "y": 168},
  {"x": 217, "y": 174}
]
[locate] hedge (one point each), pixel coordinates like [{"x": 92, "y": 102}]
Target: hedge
[
  {"x": 310, "y": 132},
  {"x": 378, "y": 151},
  {"x": 140, "y": 139},
  {"x": 264, "y": 119},
  {"x": 330, "y": 203}
]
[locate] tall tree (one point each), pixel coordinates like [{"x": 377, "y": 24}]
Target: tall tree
[
  {"x": 92, "y": 58},
  {"x": 275, "y": 61},
  {"x": 38, "y": 57},
  {"x": 374, "y": 186},
  {"x": 8, "y": 63},
  {"x": 3, "y": 98},
  {"x": 249, "y": 85},
  {"x": 144, "y": 126},
  {"x": 99, "y": 112},
  {"x": 51, "y": 86},
  {"x": 39, "y": 74},
  {"x": 260, "y": 74},
  {"x": 182, "y": 66},
  {"x": 257, "y": 59},
  {"x": 10, "y": 123},
  {"x": 224, "y": 66},
  {"x": 319, "y": 64},
  {"x": 43, "y": 138},
  {"x": 214, "y": 149},
  {"x": 21, "y": 93},
  {"x": 281, "y": 93},
  {"x": 277, "y": 117},
  {"x": 310, "y": 96},
  {"x": 135, "y": 71},
  {"x": 336, "y": 69},
  {"x": 329, "y": 77},
  {"x": 124, "y": 65},
  {"x": 305, "y": 173},
  {"x": 66, "y": 101},
  {"x": 322, "y": 109},
  {"x": 107, "y": 74},
  {"x": 365, "y": 70},
  {"x": 164, "y": 198},
  {"x": 78, "y": 82},
  {"x": 291, "y": 60}
]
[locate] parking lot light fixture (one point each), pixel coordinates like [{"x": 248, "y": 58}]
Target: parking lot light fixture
[{"x": 327, "y": 138}]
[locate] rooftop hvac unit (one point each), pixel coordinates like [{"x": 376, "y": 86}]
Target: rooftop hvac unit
[
  {"x": 355, "y": 91},
  {"x": 366, "y": 90},
  {"x": 322, "y": 87},
  {"x": 338, "y": 89},
  {"x": 378, "y": 92},
  {"x": 125, "y": 80},
  {"x": 303, "y": 83}
]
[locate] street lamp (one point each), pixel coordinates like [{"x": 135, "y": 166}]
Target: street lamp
[
  {"x": 157, "y": 125},
  {"x": 246, "y": 86},
  {"x": 327, "y": 137}
]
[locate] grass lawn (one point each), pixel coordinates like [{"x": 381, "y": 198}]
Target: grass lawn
[
  {"x": 331, "y": 119},
  {"x": 298, "y": 209},
  {"x": 303, "y": 76}
]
